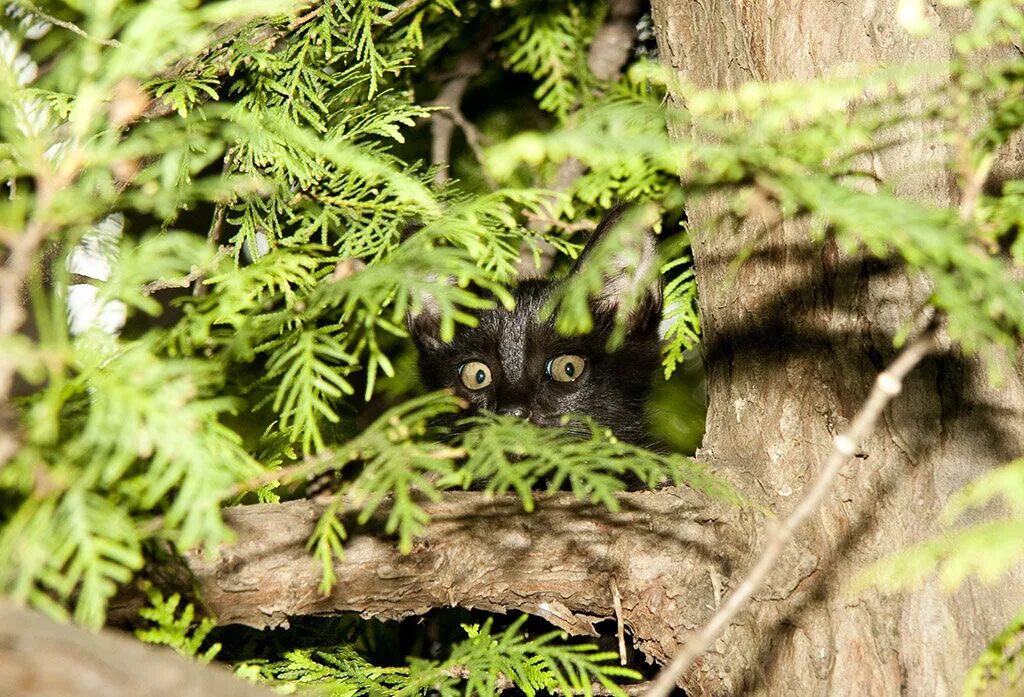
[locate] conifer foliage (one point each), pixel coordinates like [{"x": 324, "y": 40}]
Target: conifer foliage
[{"x": 208, "y": 260}]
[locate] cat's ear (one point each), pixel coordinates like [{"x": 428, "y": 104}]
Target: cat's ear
[
  {"x": 424, "y": 323},
  {"x": 423, "y": 320},
  {"x": 630, "y": 273}
]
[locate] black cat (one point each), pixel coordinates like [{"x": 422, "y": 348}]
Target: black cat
[{"x": 513, "y": 362}]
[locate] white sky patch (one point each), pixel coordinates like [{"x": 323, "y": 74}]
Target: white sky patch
[
  {"x": 94, "y": 257},
  {"x": 96, "y": 253}
]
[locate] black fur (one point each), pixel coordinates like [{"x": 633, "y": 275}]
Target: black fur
[{"x": 516, "y": 345}]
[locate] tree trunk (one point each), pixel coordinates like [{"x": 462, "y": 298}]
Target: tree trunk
[{"x": 792, "y": 342}]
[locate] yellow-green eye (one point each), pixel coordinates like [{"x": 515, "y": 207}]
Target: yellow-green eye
[
  {"x": 475, "y": 375},
  {"x": 566, "y": 368}
]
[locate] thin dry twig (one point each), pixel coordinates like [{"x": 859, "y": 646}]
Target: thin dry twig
[
  {"x": 63, "y": 24},
  {"x": 444, "y": 121},
  {"x": 21, "y": 251},
  {"x": 620, "y": 626},
  {"x": 313, "y": 14},
  {"x": 400, "y": 11},
  {"x": 548, "y": 221},
  {"x": 887, "y": 385},
  {"x": 194, "y": 275}
]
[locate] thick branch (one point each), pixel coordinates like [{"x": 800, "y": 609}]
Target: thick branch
[
  {"x": 662, "y": 551},
  {"x": 41, "y": 658}
]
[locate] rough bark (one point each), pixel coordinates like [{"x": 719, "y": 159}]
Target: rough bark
[
  {"x": 792, "y": 343},
  {"x": 40, "y": 658},
  {"x": 667, "y": 551}
]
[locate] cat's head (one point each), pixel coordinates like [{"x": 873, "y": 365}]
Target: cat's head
[{"x": 514, "y": 362}]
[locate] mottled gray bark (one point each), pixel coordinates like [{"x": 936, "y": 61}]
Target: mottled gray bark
[
  {"x": 41, "y": 658},
  {"x": 792, "y": 343}
]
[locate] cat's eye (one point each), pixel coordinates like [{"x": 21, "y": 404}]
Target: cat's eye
[
  {"x": 475, "y": 375},
  {"x": 565, "y": 368}
]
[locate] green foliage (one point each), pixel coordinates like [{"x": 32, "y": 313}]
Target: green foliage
[
  {"x": 680, "y": 301},
  {"x": 795, "y": 146},
  {"x": 485, "y": 663},
  {"x": 510, "y": 455},
  {"x": 550, "y": 46},
  {"x": 1001, "y": 664},
  {"x": 174, "y": 629},
  {"x": 263, "y": 162},
  {"x": 403, "y": 463}
]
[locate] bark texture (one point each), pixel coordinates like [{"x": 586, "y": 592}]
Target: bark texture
[
  {"x": 668, "y": 552},
  {"x": 40, "y": 658},
  {"x": 792, "y": 343}
]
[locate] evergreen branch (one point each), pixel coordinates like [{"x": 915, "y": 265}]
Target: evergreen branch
[
  {"x": 1001, "y": 664},
  {"x": 176, "y": 630},
  {"x": 887, "y": 385},
  {"x": 502, "y": 683},
  {"x": 606, "y": 58}
]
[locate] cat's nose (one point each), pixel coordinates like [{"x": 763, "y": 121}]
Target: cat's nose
[{"x": 514, "y": 410}]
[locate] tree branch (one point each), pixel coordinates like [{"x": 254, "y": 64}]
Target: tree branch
[
  {"x": 887, "y": 385},
  {"x": 41, "y": 658},
  {"x": 607, "y": 55},
  {"x": 195, "y": 275},
  {"x": 17, "y": 267},
  {"x": 557, "y": 563},
  {"x": 444, "y": 121},
  {"x": 69, "y": 26}
]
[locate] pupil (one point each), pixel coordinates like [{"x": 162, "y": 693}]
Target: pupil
[
  {"x": 480, "y": 376},
  {"x": 569, "y": 369}
]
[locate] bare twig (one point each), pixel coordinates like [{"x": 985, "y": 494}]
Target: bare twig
[
  {"x": 973, "y": 185},
  {"x": 164, "y": 284},
  {"x": 402, "y": 10},
  {"x": 606, "y": 57},
  {"x": 620, "y": 627},
  {"x": 614, "y": 40},
  {"x": 73, "y": 28},
  {"x": 475, "y": 139},
  {"x": 444, "y": 120},
  {"x": 887, "y": 385},
  {"x": 313, "y": 14},
  {"x": 194, "y": 275},
  {"x": 548, "y": 221},
  {"x": 212, "y": 236},
  {"x": 15, "y": 271}
]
